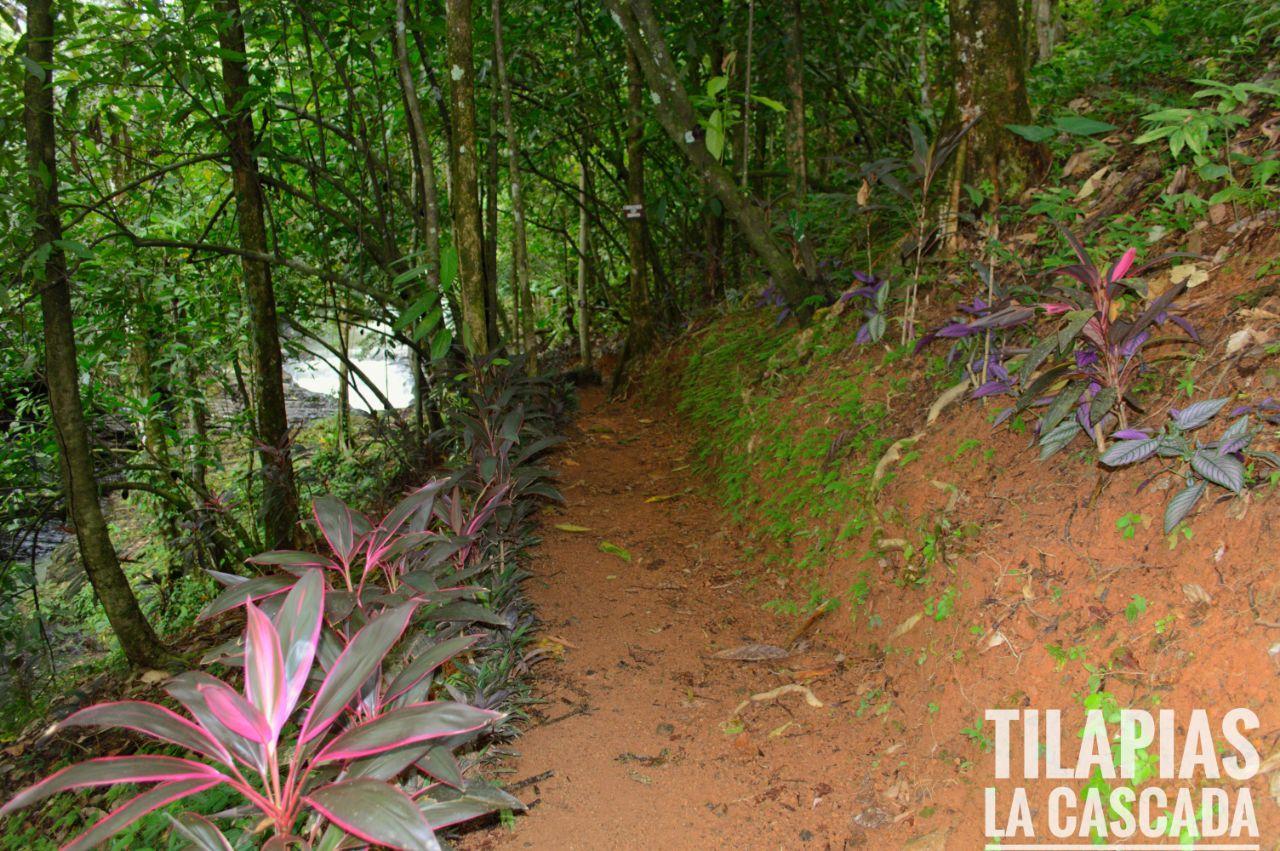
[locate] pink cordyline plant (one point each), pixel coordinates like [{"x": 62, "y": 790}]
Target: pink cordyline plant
[{"x": 333, "y": 766}]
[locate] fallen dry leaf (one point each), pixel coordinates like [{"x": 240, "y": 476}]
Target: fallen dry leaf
[
  {"x": 752, "y": 653},
  {"x": 906, "y": 626},
  {"x": 1189, "y": 272},
  {"x": 570, "y": 527},
  {"x": 774, "y": 694}
]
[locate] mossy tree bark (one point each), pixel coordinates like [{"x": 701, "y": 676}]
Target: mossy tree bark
[
  {"x": 465, "y": 197},
  {"x": 102, "y": 565},
  {"x": 797, "y": 155},
  {"x": 279, "y": 493},
  {"x": 990, "y": 83}
]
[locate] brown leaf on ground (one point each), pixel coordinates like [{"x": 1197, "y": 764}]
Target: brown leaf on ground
[{"x": 752, "y": 653}]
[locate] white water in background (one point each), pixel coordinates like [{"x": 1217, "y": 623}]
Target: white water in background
[{"x": 389, "y": 372}]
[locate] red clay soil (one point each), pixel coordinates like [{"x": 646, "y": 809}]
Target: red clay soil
[
  {"x": 640, "y": 741},
  {"x": 635, "y": 728}
]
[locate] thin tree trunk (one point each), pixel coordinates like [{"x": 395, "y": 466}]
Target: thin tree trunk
[
  {"x": 140, "y": 644},
  {"x": 922, "y": 56},
  {"x": 430, "y": 221},
  {"x": 643, "y": 33},
  {"x": 797, "y": 155},
  {"x": 279, "y": 495},
  {"x": 746, "y": 92},
  {"x": 465, "y": 200},
  {"x": 640, "y": 328},
  {"x": 520, "y": 244},
  {"x": 492, "y": 301},
  {"x": 1046, "y": 16},
  {"x": 584, "y": 269},
  {"x": 344, "y": 387},
  {"x": 713, "y": 214}
]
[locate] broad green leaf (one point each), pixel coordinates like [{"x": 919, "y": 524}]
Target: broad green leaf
[
  {"x": 1078, "y": 125},
  {"x": 1031, "y": 132}
]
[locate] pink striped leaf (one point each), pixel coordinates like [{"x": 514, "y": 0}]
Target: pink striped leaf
[
  {"x": 424, "y": 664},
  {"x": 298, "y": 623},
  {"x": 242, "y": 590},
  {"x": 341, "y": 526},
  {"x": 200, "y": 832},
  {"x": 264, "y": 680},
  {"x": 134, "y": 809},
  {"x": 375, "y": 812},
  {"x": 153, "y": 720},
  {"x": 239, "y": 715},
  {"x": 186, "y": 689},
  {"x": 417, "y": 723},
  {"x": 357, "y": 662},
  {"x": 108, "y": 771}
]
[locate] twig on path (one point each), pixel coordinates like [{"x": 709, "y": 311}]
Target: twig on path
[
  {"x": 529, "y": 781},
  {"x": 579, "y": 710}
]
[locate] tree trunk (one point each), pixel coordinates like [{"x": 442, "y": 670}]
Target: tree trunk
[
  {"x": 430, "y": 220},
  {"x": 493, "y": 306},
  {"x": 797, "y": 156},
  {"x": 1046, "y": 16},
  {"x": 138, "y": 640},
  {"x": 279, "y": 495},
  {"x": 344, "y": 388},
  {"x": 465, "y": 199},
  {"x": 640, "y": 328},
  {"x": 746, "y": 92},
  {"x": 990, "y": 76},
  {"x": 584, "y": 269},
  {"x": 922, "y": 56},
  {"x": 642, "y": 31},
  {"x": 520, "y": 243},
  {"x": 713, "y": 213}
]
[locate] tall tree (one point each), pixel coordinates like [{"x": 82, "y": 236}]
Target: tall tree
[
  {"x": 640, "y": 327},
  {"x": 797, "y": 155},
  {"x": 1047, "y": 24},
  {"x": 643, "y": 33},
  {"x": 279, "y": 494},
  {"x": 53, "y": 285},
  {"x": 519, "y": 239},
  {"x": 990, "y": 84},
  {"x": 713, "y": 212},
  {"x": 465, "y": 197},
  {"x": 584, "y": 268}
]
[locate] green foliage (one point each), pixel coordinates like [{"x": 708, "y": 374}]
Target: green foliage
[{"x": 789, "y": 462}]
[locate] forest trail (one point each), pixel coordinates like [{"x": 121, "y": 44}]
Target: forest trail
[{"x": 636, "y": 725}]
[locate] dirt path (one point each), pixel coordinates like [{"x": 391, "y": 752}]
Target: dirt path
[{"x": 635, "y": 726}]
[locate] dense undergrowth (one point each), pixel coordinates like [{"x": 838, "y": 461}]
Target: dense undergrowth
[{"x": 426, "y": 599}]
